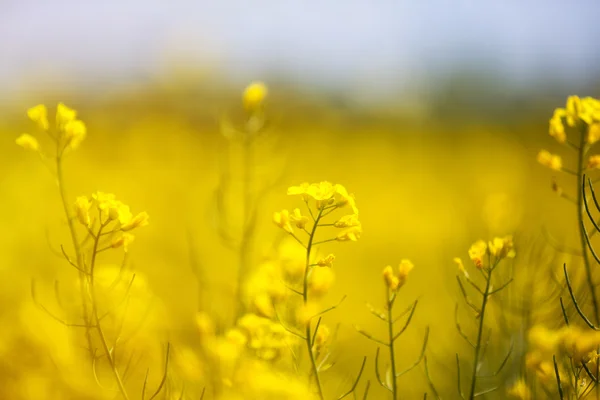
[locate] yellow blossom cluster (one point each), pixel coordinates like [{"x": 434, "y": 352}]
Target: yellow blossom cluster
[
  {"x": 396, "y": 279},
  {"x": 265, "y": 337},
  {"x": 577, "y": 344},
  {"x": 499, "y": 247},
  {"x": 327, "y": 197},
  {"x": 547, "y": 159},
  {"x": 68, "y": 132},
  {"x": 578, "y": 112},
  {"x": 107, "y": 209}
]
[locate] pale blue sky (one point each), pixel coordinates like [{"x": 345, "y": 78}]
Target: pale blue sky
[{"x": 332, "y": 42}]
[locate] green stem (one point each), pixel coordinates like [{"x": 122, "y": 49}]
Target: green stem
[
  {"x": 247, "y": 221},
  {"x": 583, "y": 241},
  {"x": 390, "y": 305},
  {"x": 480, "y": 334},
  {"x": 308, "y": 333},
  {"x": 75, "y": 239},
  {"x": 107, "y": 352}
]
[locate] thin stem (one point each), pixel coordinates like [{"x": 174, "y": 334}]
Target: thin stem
[
  {"x": 390, "y": 306},
  {"x": 103, "y": 341},
  {"x": 75, "y": 239},
  {"x": 486, "y": 294},
  {"x": 315, "y": 370}
]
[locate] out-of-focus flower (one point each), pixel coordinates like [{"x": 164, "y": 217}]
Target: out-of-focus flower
[
  {"x": 124, "y": 240},
  {"x": 476, "y": 253},
  {"x": 39, "y": 115},
  {"x": 282, "y": 219},
  {"x": 594, "y": 162},
  {"x": 254, "y": 96},
  {"x": 28, "y": 142},
  {"x": 549, "y": 160},
  {"x": 298, "y": 219},
  {"x": 502, "y": 247},
  {"x": 82, "y": 210},
  {"x": 351, "y": 234},
  {"x": 326, "y": 261},
  {"x": 520, "y": 391}
]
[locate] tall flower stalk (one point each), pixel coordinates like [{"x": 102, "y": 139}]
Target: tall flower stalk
[{"x": 321, "y": 200}]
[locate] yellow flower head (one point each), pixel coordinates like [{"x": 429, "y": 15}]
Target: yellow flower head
[
  {"x": 298, "y": 219},
  {"x": 347, "y": 221},
  {"x": 327, "y": 261},
  {"x": 39, "y": 115},
  {"x": 140, "y": 220},
  {"x": 404, "y": 269},
  {"x": 557, "y": 129},
  {"x": 350, "y": 234},
  {"x": 585, "y": 111},
  {"x": 123, "y": 241},
  {"x": 254, "y": 96},
  {"x": 346, "y": 199},
  {"x": 390, "y": 279},
  {"x": 476, "y": 253},
  {"x": 502, "y": 247},
  {"x": 593, "y": 134},
  {"x": 594, "y": 162},
  {"x": 82, "y": 210},
  {"x": 28, "y": 142},
  {"x": 75, "y": 132},
  {"x": 64, "y": 115},
  {"x": 550, "y": 160},
  {"x": 282, "y": 219}
]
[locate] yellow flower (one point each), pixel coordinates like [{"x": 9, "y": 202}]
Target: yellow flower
[
  {"x": 502, "y": 247},
  {"x": 347, "y": 221},
  {"x": 64, "y": 115},
  {"x": 282, "y": 220},
  {"x": 28, "y": 142},
  {"x": 593, "y": 133},
  {"x": 350, "y": 234},
  {"x": 594, "y": 162},
  {"x": 300, "y": 189},
  {"x": 549, "y": 160},
  {"x": 321, "y": 191},
  {"x": 140, "y": 220},
  {"x": 557, "y": 129},
  {"x": 103, "y": 200},
  {"x": 254, "y": 96},
  {"x": 519, "y": 390},
  {"x": 346, "y": 198},
  {"x": 476, "y": 253},
  {"x": 391, "y": 280},
  {"x": 404, "y": 269},
  {"x": 125, "y": 240},
  {"x": 327, "y": 261},
  {"x": 321, "y": 280},
  {"x": 82, "y": 210},
  {"x": 589, "y": 110},
  {"x": 39, "y": 115},
  {"x": 573, "y": 110},
  {"x": 75, "y": 132},
  {"x": 298, "y": 219}
]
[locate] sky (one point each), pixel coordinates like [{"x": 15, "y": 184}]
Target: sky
[{"x": 378, "y": 43}]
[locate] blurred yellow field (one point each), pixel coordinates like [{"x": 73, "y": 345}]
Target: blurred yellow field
[{"x": 156, "y": 240}]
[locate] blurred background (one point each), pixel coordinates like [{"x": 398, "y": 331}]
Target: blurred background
[{"x": 431, "y": 113}]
